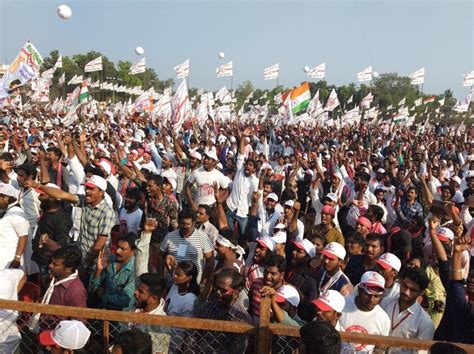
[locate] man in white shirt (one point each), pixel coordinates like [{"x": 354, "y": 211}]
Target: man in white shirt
[
  {"x": 130, "y": 215},
  {"x": 389, "y": 266},
  {"x": 244, "y": 184},
  {"x": 362, "y": 313},
  {"x": 408, "y": 319},
  {"x": 204, "y": 177}
]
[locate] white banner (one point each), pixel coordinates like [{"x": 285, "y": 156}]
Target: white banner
[
  {"x": 59, "y": 62},
  {"x": 225, "y": 70},
  {"x": 182, "y": 70},
  {"x": 94, "y": 65},
  {"x": 271, "y": 72},
  {"x": 318, "y": 72}
]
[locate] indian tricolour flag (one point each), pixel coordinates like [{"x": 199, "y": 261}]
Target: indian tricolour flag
[
  {"x": 300, "y": 98},
  {"x": 84, "y": 92}
]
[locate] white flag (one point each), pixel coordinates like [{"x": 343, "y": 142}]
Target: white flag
[
  {"x": 441, "y": 102},
  {"x": 138, "y": 68},
  {"x": 271, "y": 72},
  {"x": 223, "y": 95},
  {"x": 225, "y": 70},
  {"x": 75, "y": 80},
  {"x": 163, "y": 107},
  {"x": 59, "y": 63},
  {"x": 62, "y": 79},
  {"x": 332, "y": 101},
  {"x": 468, "y": 79},
  {"x": 48, "y": 74},
  {"x": 418, "y": 102},
  {"x": 182, "y": 70},
  {"x": 315, "y": 107},
  {"x": 350, "y": 99},
  {"x": 418, "y": 77},
  {"x": 402, "y": 102},
  {"x": 318, "y": 72},
  {"x": 366, "y": 101},
  {"x": 94, "y": 65},
  {"x": 365, "y": 75},
  {"x": 180, "y": 105}
]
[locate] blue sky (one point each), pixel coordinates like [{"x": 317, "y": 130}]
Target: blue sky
[{"x": 390, "y": 35}]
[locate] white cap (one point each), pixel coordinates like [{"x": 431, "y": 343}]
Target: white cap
[
  {"x": 330, "y": 300},
  {"x": 212, "y": 140},
  {"x": 290, "y": 203},
  {"x": 171, "y": 181},
  {"x": 334, "y": 250},
  {"x": 389, "y": 261},
  {"x": 267, "y": 242},
  {"x": 232, "y": 139},
  {"x": 380, "y": 170},
  {"x": 212, "y": 154},
  {"x": 273, "y": 196},
  {"x": 332, "y": 196},
  {"x": 106, "y": 166},
  {"x": 456, "y": 179},
  {"x": 67, "y": 334},
  {"x": 8, "y": 190},
  {"x": 279, "y": 237},
  {"x": 288, "y": 293},
  {"x": 195, "y": 154},
  {"x": 306, "y": 245},
  {"x": 96, "y": 181},
  {"x": 444, "y": 234},
  {"x": 372, "y": 279}
]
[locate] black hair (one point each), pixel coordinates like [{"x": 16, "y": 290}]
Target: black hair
[
  {"x": 237, "y": 279},
  {"x": 374, "y": 237},
  {"x": 56, "y": 151},
  {"x": 156, "y": 284},
  {"x": 7, "y": 156},
  {"x": 448, "y": 188},
  {"x": 357, "y": 237},
  {"x": 187, "y": 213},
  {"x": 377, "y": 211},
  {"x": 157, "y": 179},
  {"x": 364, "y": 176},
  {"x": 130, "y": 238},
  {"x": 416, "y": 275},
  {"x": 378, "y": 190},
  {"x": 70, "y": 254},
  {"x": 288, "y": 194},
  {"x": 134, "y": 192},
  {"x": 29, "y": 169},
  {"x": 411, "y": 188},
  {"x": 275, "y": 260},
  {"x": 89, "y": 168},
  {"x": 134, "y": 341},
  {"x": 443, "y": 348},
  {"x": 207, "y": 208},
  {"x": 320, "y": 337},
  {"x": 190, "y": 269}
]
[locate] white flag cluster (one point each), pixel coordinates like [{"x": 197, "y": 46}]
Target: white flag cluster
[
  {"x": 318, "y": 72},
  {"x": 94, "y": 65},
  {"x": 75, "y": 80},
  {"x": 225, "y": 70},
  {"x": 365, "y": 75},
  {"x": 139, "y": 67},
  {"x": 418, "y": 77},
  {"x": 271, "y": 72},
  {"x": 182, "y": 70}
]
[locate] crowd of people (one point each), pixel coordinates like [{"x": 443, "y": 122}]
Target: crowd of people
[{"x": 364, "y": 228}]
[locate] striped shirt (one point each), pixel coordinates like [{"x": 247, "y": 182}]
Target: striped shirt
[{"x": 191, "y": 248}]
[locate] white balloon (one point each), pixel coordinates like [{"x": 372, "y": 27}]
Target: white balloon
[
  {"x": 306, "y": 69},
  {"x": 64, "y": 12},
  {"x": 139, "y": 50},
  {"x": 221, "y": 55}
]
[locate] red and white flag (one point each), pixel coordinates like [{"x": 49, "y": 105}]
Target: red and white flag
[
  {"x": 182, "y": 70},
  {"x": 318, "y": 72},
  {"x": 271, "y": 72},
  {"x": 468, "y": 79},
  {"x": 332, "y": 101},
  {"x": 225, "y": 70},
  {"x": 418, "y": 77},
  {"x": 94, "y": 65},
  {"x": 180, "y": 106},
  {"x": 139, "y": 67},
  {"x": 366, "y": 101},
  {"x": 365, "y": 75}
]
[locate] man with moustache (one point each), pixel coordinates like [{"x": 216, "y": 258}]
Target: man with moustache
[
  {"x": 52, "y": 231},
  {"x": 130, "y": 215}
]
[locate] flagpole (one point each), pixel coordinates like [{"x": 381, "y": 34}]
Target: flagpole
[
  {"x": 231, "y": 82},
  {"x": 277, "y": 80}
]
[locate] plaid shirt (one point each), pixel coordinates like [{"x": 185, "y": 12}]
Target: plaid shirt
[
  {"x": 219, "y": 342},
  {"x": 165, "y": 212},
  {"x": 119, "y": 287},
  {"x": 95, "y": 221},
  {"x": 406, "y": 212}
]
